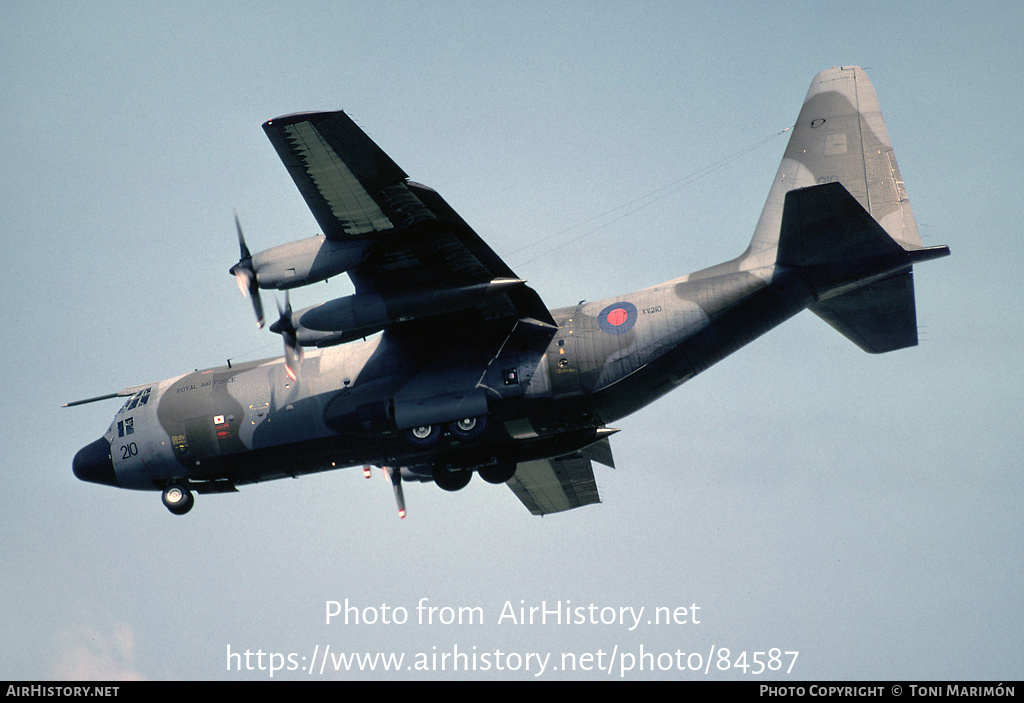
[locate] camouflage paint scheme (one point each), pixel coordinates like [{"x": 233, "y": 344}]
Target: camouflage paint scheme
[{"x": 836, "y": 235}]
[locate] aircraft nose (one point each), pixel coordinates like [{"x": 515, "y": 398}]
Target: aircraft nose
[{"x": 93, "y": 463}]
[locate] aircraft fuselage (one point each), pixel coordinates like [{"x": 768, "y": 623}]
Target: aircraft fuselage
[{"x": 353, "y": 404}]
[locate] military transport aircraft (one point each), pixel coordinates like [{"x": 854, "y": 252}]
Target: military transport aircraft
[{"x": 444, "y": 363}]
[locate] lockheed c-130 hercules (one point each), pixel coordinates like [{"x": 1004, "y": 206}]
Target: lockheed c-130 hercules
[{"x": 444, "y": 363}]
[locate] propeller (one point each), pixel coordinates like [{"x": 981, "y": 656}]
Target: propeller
[
  {"x": 245, "y": 275},
  {"x": 286, "y": 328}
]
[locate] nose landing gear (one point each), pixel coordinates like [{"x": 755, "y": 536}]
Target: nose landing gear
[{"x": 178, "y": 499}]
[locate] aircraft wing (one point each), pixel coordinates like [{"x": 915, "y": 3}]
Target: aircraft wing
[
  {"x": 340, "y": 172},
  {"x": 413, "y": 240},
  {"x": 553, "y": 485}
]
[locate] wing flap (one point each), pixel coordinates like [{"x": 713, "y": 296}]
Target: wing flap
[{"x": 553, "y": 485}]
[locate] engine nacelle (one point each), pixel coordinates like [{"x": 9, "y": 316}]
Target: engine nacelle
[
  {"x": 306, "y": 261},
  {"x": 355, "y": 316}
]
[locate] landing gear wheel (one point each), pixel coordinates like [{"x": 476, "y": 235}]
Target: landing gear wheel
[
  {"x": 423, "y": 436},
  {"x": 499, "y": 472},
  {"x": 468, "y": 427},
  {"x": 178, "y": 499},
  {"x": 450, "y": 479}
]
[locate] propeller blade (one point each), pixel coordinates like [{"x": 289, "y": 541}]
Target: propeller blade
[
  {"x": 292, "y": 361},
  {"x": 286, "y": 328},
  {"x": 243, "y": 250},
  {"x": 245, "y": 275}
]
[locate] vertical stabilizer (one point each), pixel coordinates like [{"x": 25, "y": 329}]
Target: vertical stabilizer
[{"x": 839, "y": 137}]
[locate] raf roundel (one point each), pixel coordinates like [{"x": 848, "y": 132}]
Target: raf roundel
[{"x": 617, "y": 318}]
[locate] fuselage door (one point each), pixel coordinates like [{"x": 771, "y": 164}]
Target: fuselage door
[{"x": 563, "y": 367}]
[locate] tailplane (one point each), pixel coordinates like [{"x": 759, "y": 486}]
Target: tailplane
[{"x": 861, "y": 277}]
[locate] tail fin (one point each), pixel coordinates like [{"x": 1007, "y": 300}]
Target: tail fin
[
  {"x": 839, "y": 137},
  {"x": 839, "y": 212}
]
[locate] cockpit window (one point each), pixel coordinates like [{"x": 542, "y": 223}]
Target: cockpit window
[{"x": 140, "y": 398}]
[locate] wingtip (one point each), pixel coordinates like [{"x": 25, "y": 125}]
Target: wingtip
[{"x": 293, "y": 117}]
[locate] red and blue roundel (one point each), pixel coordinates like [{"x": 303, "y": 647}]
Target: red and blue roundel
[{"x": 617, "y": 318}]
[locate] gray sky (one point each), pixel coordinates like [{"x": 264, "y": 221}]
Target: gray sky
[{"x": 861, "y": 510}]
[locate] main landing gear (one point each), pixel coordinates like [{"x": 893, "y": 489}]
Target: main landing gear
[
  {"x": 464, "y": 430},
  {"x": 448, "y": 477},
  {"x": 467, "y": 429},
  {"x": 178, "y": 499},
  {"x": 500, "y": 470},
  {"x": 451, "y": 479}
]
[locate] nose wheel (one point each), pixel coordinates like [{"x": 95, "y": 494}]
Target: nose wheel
[{"x": 178, "y": 499}]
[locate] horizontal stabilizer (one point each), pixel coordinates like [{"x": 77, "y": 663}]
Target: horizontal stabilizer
[
  {"x": 826, "y": 230},
  {"x": 879, "y": 317},
  {"x": 860, "y": 276}
]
